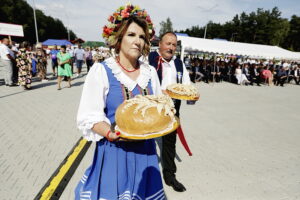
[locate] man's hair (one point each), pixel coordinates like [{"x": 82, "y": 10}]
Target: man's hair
[
  {"x": 24, "y": 44},
  {"x": 169, "y": 32},
  {"x": 5, "y": 38}
]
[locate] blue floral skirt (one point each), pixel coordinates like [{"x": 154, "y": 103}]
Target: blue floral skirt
[{"x": 122, "y": 171}]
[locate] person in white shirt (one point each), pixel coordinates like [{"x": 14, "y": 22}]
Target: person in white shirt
[
  {"x": 170, "y": 70},
  {"x": 6, "y": 62}
]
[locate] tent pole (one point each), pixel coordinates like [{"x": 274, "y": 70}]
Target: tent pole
[{"x": 182, "y": 53}]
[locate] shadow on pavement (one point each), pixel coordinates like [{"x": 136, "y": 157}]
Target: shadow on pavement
[
  {"x": 43, "y": 84},
  {"x": 78, "y": 83},
  {"x": 13, "y": 94}
]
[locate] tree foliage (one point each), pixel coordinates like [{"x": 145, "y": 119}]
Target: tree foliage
[
  {"x": 292, "y": 41},
  {"x": 165, "y": 26},
  {"x": 260, "y": 27},
  {"x": 20, "y": 12},
  {"x": 93, "y": 44}
]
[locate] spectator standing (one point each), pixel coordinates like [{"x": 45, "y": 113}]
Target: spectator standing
[
  {"x": 79, "y": 59},
  {"x": 64, "y": 67},
  {"x": 41, "y": 63},
  {"x": 33, "y": 63},
  {"x": 70, "y": 50},
  {"x": 88, "y": 58},
  {"x": 23, "y": 61},
  {"x": 6, "y": 62},
  {"x": 13, "y": 50},
  {"x": 53, "y": 55}
]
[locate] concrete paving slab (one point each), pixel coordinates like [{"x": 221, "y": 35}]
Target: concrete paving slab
[{"x": 245, "y": 141}]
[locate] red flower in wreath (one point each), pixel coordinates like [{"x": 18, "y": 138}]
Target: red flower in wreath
[
  {"x": 111, "y": 19},
  {"x": 124, "y": 14},
  {"x": 107, "y": 30}
]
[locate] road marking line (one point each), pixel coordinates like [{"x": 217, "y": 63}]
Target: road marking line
[{"x": 71, "y": 161}]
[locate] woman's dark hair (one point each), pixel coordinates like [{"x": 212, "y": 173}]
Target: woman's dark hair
[
  {"x": 121, "y": 32},
  {"x": 63, "y": 46}
]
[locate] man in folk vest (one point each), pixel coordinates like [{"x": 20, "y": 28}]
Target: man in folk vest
[{"x": 170, "y": 70}]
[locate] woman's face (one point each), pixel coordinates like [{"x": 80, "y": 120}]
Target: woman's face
[
  {"x": 63, "y": 50},
  {"x": 133, "y": 42}
]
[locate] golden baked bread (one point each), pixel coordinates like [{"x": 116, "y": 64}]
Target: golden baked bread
[
  {"x": 146, "y": 117},
  {"x": 183, "y": 92}
]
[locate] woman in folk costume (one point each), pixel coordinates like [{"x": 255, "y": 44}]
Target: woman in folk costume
[{"x": 120, "y": 169}]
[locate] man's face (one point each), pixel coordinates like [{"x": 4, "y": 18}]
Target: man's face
[
  {"x": 167, "y": 46},
  {"x": 5, "y": 41}
]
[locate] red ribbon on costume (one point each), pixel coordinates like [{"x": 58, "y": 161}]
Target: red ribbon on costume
[
  {"x": 159, "y": 68},
  {"x": 183, "y": 141}
]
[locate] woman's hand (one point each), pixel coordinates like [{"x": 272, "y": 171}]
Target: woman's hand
[{"x": 113, "y": 136}]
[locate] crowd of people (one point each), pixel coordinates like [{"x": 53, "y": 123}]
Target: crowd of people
[
  {"x": 242, "y": 72},
  {"x": 19, "y": 63}
]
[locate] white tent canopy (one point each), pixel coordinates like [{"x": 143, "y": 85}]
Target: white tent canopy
[{"x": 235, "y": 48}]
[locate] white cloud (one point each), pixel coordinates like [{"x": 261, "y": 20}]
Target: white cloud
[{"x": 40, "y": 7}]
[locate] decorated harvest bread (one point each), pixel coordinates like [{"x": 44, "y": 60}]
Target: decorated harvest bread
[
  {"x": 181, "y": 91},
  {"x": 146, "y": 117}
]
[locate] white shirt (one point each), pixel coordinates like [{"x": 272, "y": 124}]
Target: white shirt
[
  {"x": 95, "y": 90},
  {"x": 14, "y": 48},
  {"x": 238, "y": 71},
  {"x": 169, "y": 75},
  {"x": 285, "y": 64},
  {"x": 4, "y": 50},
  {"x": 79, "y": 54},
  {"x": 70, "y": 51},
  {"x": 94, "y": 52},
  {"x": 11, "y": 53},
  {"x": 296, "y": 72}
]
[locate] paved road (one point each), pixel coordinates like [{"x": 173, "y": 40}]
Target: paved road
[{"x": 245, "y": 140}]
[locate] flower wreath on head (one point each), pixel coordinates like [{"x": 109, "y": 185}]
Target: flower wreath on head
[{"x": 123, "y": 13}]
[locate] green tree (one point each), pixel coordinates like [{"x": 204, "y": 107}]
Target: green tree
[
  {"x": 292, "y": 41},
  {"x": 165, "y": 26},
  {"x": 260, "y": 27},
  {"x": 20, "y": 12},
  {"x": 93, "y": 44}
]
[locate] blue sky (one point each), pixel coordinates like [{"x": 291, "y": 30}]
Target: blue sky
[{"x": 86, "y": 18}]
